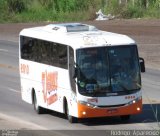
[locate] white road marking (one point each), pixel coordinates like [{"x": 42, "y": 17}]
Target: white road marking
[
  {"x": 13, "y": 90},
  {"x": 4, "y": 50}
]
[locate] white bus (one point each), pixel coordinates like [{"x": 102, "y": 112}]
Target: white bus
[{"x": 78, "y": 70}]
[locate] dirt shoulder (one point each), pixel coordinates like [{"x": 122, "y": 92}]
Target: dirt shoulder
[{"x": 145, "y": 32}]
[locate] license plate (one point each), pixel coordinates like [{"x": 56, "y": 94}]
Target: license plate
[{"x": 111, "y": 111}]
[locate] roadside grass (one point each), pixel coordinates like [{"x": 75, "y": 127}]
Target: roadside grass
[
  {"x": 50, "y": 16},
  {"x": 152, "y": 13},
  {"x": 52, "y": 10},
  {"x": 129, "y": 10}
]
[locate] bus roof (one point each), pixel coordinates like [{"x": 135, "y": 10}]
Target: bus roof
[{"x": 77, "y": 35}]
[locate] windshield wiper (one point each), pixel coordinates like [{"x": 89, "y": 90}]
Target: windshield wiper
[
  {"x": 125, "y": 89},
  {"x": 101, "y": 90}
]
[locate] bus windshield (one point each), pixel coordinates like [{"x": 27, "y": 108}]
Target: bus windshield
[{"x": 104, "y": 71}]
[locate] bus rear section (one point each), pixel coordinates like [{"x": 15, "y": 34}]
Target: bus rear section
[{"x": 87, "y": 74}]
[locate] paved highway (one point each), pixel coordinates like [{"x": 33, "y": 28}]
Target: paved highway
[{"x": 12, "y": 107}]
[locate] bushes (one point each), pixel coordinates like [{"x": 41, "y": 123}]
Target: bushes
[
  {"x": 16, "y": 6},
  {"x": 133, "y": 8},
  {"x": 130, "y": 11},
  {"x": 60, "y": 10},
  {"x": 74, "y": 10}
]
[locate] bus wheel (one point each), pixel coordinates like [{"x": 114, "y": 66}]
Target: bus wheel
[
  {"x": 37, "y": 108},
  {"x": 125, "y": 117},
  {"x": 70, "y": 118}
]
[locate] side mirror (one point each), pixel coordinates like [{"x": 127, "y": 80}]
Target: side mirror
[
  {"x": 142, "y": 64},
  {"x": 75, "y": 72}
]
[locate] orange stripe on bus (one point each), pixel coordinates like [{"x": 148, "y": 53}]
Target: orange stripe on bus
[{"x": 85, "y": 111}]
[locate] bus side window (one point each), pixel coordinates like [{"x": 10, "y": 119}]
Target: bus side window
[
  {"x": 44, "y": 45},
  {"x": 26, "y": 47},
  {"x": 72, "y": 69},
  {"x": 62, "y": 54},
  {"x": 54, "y": 56},
  {"x": 34, "y": 52}
]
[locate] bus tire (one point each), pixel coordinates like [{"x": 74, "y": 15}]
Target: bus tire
[
  {"x": 37, "y": 108},
  {"x": 125, "y": 117},
  {"x": 70, "y": 118}
]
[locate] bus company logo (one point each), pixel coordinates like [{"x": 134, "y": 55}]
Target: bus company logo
[
  {"x": 50, "y": 84},
  {"x": 130, "y": 97},
  {"x": 88, "y": 40}
]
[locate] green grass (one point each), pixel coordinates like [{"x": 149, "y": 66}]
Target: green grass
[
  {"x": 71, "y": 10},
  {"x": 49, "y": 16},
  {"x": 133, "y": 11}
]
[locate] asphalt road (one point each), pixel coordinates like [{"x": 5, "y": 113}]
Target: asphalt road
[{"x": 22, "y": 116}]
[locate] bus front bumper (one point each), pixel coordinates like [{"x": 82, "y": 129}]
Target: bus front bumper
[{"x": 85, "y": 111}]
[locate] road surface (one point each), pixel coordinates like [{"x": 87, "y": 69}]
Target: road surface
[{"x": 16, "y": 114}]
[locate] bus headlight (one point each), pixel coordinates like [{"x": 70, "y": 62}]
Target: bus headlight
[
  {"x": 84, "y": 113},
  {"x": 135, "y": 100},
  {"x": 138, "y": 109},
  {"x": 87, "y": 104}
]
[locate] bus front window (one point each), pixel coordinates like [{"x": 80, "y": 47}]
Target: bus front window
[
  {"x": 93, "y": 72},
  {"x": 124, "y": 68},
  {"x": 107, "y": 70}
]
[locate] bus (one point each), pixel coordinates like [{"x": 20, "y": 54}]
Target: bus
[{"x": 80, "y": 71}]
